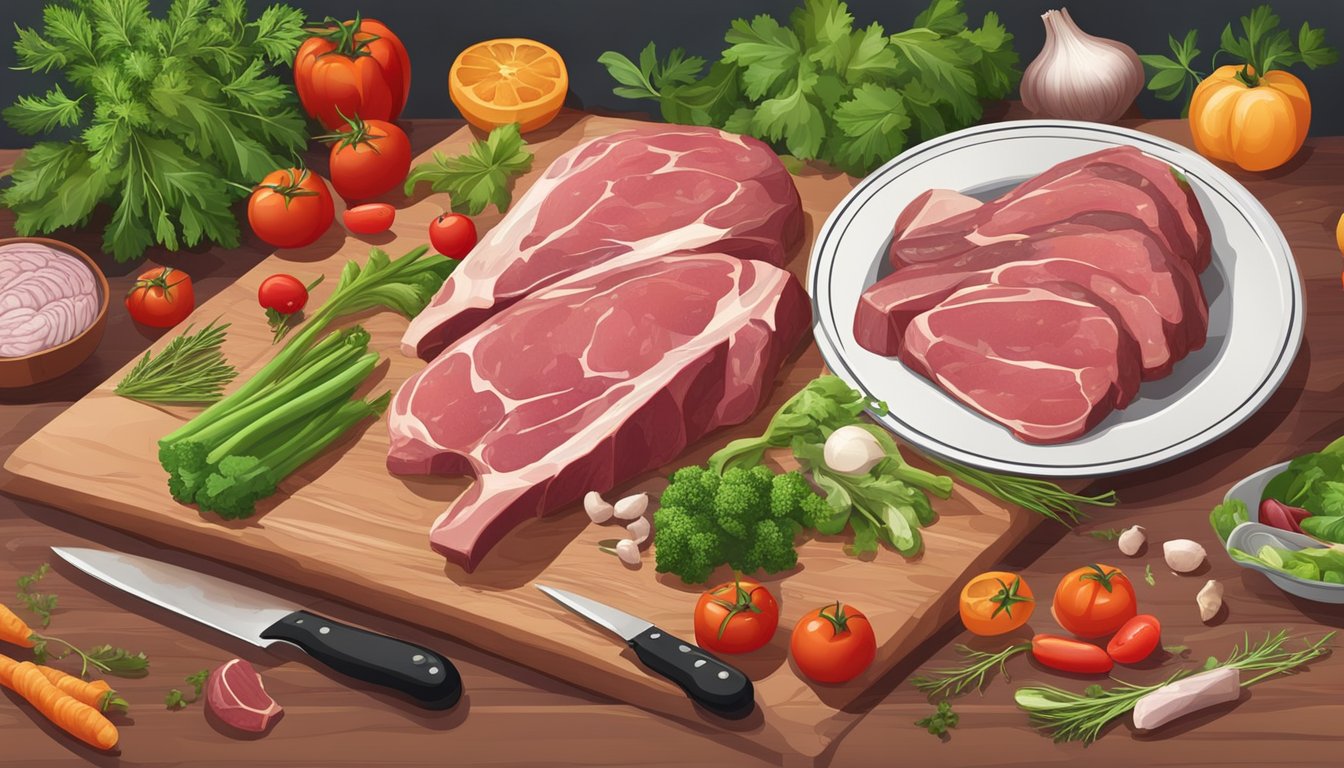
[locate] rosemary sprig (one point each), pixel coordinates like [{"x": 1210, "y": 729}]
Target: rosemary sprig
[
  {"x": 1040, "y": 496},
  {"x": 191, "y": 369},
  {"x": 1081, "y": 717},
  {"x": 955, "y": 680}
]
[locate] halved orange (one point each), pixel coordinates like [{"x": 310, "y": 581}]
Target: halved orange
[{"x": 509, "y": 80}]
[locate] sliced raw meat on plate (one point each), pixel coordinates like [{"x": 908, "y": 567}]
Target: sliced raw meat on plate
[{"x": 589, "y": 382}]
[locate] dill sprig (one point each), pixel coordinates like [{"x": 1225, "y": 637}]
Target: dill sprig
[
  {"x": 955, "y": 680},
  {"x": 1040, "y": 496},
  {"x": 191, "y": 369}
]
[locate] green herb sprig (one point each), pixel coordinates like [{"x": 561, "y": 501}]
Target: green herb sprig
[
  {"x": 177, "y": 700},
  {"x": 941, "y": 720},
  {"x": 973, "y": 675},
  {"x": 39, "y": 605},
  {"x": 191, "y": 369},
  {"x": 482, "y": 176}
]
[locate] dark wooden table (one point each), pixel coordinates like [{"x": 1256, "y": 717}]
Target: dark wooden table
[{"x": 516, "y": 717}]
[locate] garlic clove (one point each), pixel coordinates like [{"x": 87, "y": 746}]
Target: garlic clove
[
  {"x": 632, "y": 507},
  {"x": 628, "y": 551},
  {"x": 1078, "y": 76},
  {"x": 599, "y": 511},
  {"x": 1131, "y": 540},
  {"x": 852, "y": 450},
  {"x": 1209, "y": 600},
  {"x": 1183, "y": 555},
  {"x": 639, "y": 529}
]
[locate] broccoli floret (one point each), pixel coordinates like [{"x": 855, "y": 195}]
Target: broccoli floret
[
  {"x": 686, "y": 544},
  {"x": 187, "y": 468},
  {"x": 233, "y": 489},
  {"x": 743, "y": 499},
  {"x": 691, "y": 488},
  {"x": 787, "y": 493},
  {"x": 815, "y": 512},
  {"x": 771, "y": 548}
]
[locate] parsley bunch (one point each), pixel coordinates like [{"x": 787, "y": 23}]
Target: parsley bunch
[
  {"x": 819, "y": 88},
  {"x": 168, "y": 113}
]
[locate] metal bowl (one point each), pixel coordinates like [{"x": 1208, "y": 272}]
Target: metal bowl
[{"x": 61, "y": 359}]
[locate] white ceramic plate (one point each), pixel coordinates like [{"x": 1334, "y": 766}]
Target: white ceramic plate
[{"x": 1254, "y": 293}]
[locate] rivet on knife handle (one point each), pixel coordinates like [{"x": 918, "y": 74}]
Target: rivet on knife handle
[
  {"x": 420, "y": 673},
  {"x": 707, "y": 680}
]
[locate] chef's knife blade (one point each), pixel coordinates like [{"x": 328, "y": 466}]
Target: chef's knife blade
[
  {"x": 707, "y": 680},
  {"x": 263, "y": 620}
]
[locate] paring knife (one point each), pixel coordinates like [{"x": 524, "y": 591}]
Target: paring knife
[
  {"x": 708, "y": 681},
  {"x": 263, "y": 620}
]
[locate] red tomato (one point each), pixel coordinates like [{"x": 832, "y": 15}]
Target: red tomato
[
  {"x": 283, "y": 293},
  {"x": 369, "y": 218},
  {"x": 371, "y": 157},
  {"x": 833, "y": 644},
  {"x": 353, "y": 68},
  {"x": 736, "y": 617},
  {"x": 1069, "y": 655},
  {"x": 1136, "y": 640},
  {"x": 1094, "y": 601},
  {"x": 291, "y": 208},
  {"x": 161, "y": 297},
  {"x": 452, "y": 235}
]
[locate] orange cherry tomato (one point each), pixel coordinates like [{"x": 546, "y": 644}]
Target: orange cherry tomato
[
  {"x": 1136, "y": 640},
  {"x": 833, "y": 644},
  {"x": 736, "y": 617},
  {"x": 995, "y": 603},
  {"x": 352, "y": 68},
  {"x": 1069, "y": 655},
  {"x": 1094, "y": 601}
]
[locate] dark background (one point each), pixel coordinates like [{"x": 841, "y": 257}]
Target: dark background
[{"x": 434, "y": 31}]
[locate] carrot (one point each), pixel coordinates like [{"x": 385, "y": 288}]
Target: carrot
[
  {"x": 73, "y": 716},
  {"x": 14, "y": 630},
  {"x": 97, "y": 694}
]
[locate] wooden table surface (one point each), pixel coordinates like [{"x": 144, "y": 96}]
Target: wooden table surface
[{"x": 515, "y": 717}]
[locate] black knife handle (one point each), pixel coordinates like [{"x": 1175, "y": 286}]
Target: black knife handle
[
  {"x": 425, "y": 676},
  {"x": 709, "y": 682}
]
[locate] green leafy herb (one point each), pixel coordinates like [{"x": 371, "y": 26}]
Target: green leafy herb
[
  {"x": 941, "y": 720},
  {"x": 1148, "y": 575},
  {"x": 974, "y": 674},
  {"x": 1073, "y": 717},
  {"x": 480, "y": 177},
  {"x": 191, "y": 369},
  {"x": 1040, "y": 496},
  {"x": 105, "y": 658},
  {"x": 40, "y": 605},
  {"x": 1262, "y": 46},
  {"x": 1176, "y": 650},
  {"x": 1109, "y": 534},
  {"x": 822, "y": 88},
  {"x": 170, "y": 114},
  {"x": 175, "y": 698},
  {"x": 1227, "y": 516}
]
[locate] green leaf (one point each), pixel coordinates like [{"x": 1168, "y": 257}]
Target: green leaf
[
  {"x": 824, "y": 27},
  {"x": 44, "y": 114},
  {"x": 1227, "y": 516},
  {"x": 278, "y": 32},
  {"x": 678, "y": 69},
  {"x": 634, "y": 80},
  {"x": 942, "y": 67},
  {"x": 872, "y": 57},
  {"x": 37, "y": 53},
  {"x": 480, "y": 177},
  {"x": 874, "y": 121},
  {"x": 1312, "y": 49},
  {"x": 942, "y": 16},
  {"x": 710, "y": 101},
  {"x": 767, "y": 53},
  {"x": 55, "y": 186},
  {"x": 995, "y": 65},
  {"x": 792, "y": 118},
  {"x": 865, "y": 536}
]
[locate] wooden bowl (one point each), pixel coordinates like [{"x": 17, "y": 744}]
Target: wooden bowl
[{"x": 61, "y": 359}]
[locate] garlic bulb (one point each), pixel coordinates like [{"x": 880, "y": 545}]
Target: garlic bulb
[
  {"x": 631, "y": 507},
  {"x": 1209, "y": 600},
  {"x": 639, "y": 529},
  {"x": 599, "y": 511},
  {"x": 1078, "y": 76},
  {"x": 1131, "y": 540},
  {"x": 852, "y": 450},
  {"x": 1183, "y": 555},
  {"x": 628, "y": 551}
]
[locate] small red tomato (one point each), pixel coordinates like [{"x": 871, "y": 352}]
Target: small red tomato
[
  {"x": 736, "y": 617},
  {"x": 370, "y": 157},
  {"x": 369, "y": 219},
  {"x": 290, "y": 208},
  {"x": 161, "y": 297},
  {"x": 1136, "y": 640},
  {"x": 1069, "y": 655},
  {"x": 833, "y": 644},
  {"x": 452, "y": 235},
  {"x": 283, "y": 293}
]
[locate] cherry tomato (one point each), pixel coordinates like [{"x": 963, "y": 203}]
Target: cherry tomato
[
  {"x": 161, "y": 297},
  {"x": 370, "y": 158},
  {"x": 736, "y": 617},
  {"x": 1136, "y": 640},
  {"x": 1069, "y": 655},
  {"x": 1094, "y": 601},
  {"x": 370, "y": 218},
  {"x": 452, "y": 235},
  {"x": 833, "y": 644},
  {"x": 994, "y": 603},
  {"x": 291, "y": 208},
  {"x": 283, "y": 293}
]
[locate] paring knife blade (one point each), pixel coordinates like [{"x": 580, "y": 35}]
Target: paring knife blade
[
  {"x": 705, "y": 678},
  {"x": 262, "y": 619}
]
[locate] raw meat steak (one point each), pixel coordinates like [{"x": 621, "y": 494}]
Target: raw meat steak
[
  {"x": 1113, "y": 189},
  {"x": 627, "y": 197},
  {"x": 587, "y": 383},
  {"x": 1043, "y": 361},
  {"x": 1157, "y": 297}
]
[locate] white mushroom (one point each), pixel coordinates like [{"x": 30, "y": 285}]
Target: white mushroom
[
  {"x": 632, "y": 507},
  {"x": 1131, "y": 540},
  {"x": 599, "y": 511},
  {"x": 1183, "y": 555},
  {"x": 639, "y": 530},
  {"x": 852, "y": 450},
  {"x": 1210, "y": 600},
  {"x": 628, "y": 551}
]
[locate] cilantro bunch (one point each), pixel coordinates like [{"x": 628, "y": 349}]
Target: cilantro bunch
[
  {"x": 169, "y": 114},
  {"x": 820, "y": 88}
]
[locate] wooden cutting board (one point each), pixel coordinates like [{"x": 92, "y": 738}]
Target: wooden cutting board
[{"x": 345, "y": 528}]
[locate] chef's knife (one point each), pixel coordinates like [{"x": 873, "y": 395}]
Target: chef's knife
[
  {"x": 706, "y": 680},
  {"x": 263, "y": 620}
]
